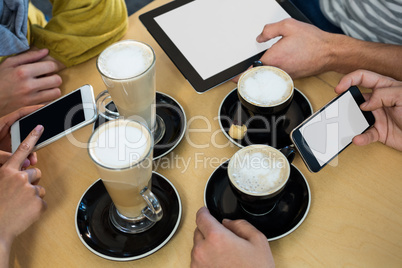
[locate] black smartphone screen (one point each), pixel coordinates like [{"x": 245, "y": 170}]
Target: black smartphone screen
[
  {"x": 56, "y": 117},
  {"x": 330, "y": 130}
]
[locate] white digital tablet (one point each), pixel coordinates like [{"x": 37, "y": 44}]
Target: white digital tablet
[{"x": 212, "y": 41}]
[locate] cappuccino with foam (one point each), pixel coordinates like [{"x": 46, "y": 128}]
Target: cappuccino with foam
[
  {"x": 265, "y": 86},
  {"x": 128, "y": 70},
  {"x": 258, "y": 170},
  {"x": 122, "y": 151}
]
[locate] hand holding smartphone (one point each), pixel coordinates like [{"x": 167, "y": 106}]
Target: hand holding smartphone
[
  {"x": 322, "y": 136},
  {"x": 59, "y": 118}
]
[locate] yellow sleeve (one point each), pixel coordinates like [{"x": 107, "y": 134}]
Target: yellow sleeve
[{"x": 80, "y": 30}]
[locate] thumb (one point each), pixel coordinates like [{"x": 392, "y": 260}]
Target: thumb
[
  {"x": 273, "y": 30},
  {"x": 371, "y": 135},
  {"x": 242, "y": 228}
]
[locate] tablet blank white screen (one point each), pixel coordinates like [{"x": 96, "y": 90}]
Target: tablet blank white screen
[{"x": 214, "y": 35}]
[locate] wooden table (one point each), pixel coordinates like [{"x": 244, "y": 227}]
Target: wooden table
[{"x": 355, "y": 218}]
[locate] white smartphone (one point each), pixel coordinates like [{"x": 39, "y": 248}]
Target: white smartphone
[
  {"x": 326, "y": 133},
  {"x": 62, "y": 116}
]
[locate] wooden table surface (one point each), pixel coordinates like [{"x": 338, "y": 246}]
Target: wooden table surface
[{"x": 354, "y": 220}]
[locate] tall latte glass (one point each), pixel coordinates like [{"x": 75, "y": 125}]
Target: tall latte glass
[
  {"x": 128, "y": 71},
  {"x": 122, "y": 151}
]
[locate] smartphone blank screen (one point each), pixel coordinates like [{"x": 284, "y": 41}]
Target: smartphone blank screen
[
  {"x": 330, "y": 131},
  {"x": 56, "y": 118}
]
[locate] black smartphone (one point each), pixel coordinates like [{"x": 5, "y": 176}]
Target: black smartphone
[
  {"x": 326, "y": 133},
  {"x": 59, "y": 118}
]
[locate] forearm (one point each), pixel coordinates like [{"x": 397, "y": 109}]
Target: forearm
[{"x": 348, "y": 54}]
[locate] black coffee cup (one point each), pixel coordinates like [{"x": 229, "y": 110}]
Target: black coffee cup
[
  {"x": 258, "y": 174},
  {"x": 265, "y": 90}
]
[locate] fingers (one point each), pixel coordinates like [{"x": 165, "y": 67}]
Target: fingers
[
  {"x": 40, "y": 191},
  {"x": 46, "y": 96},
  {"x": 10, "y": 118},
  {"x": 371, "y": 135},
  {"x": 365, "y": 79},
  {"x": 32, "y": 159},
  {"x": 4, "y": 156},
  {"x": 270, "y": 31},
  {"x": 34, "y": 175},
  {"x": 206, "y": 223},
  {"x": 47, "y": 81},
  {"x": 26, "y": 57},
  {"x": 383, "y": 97},
  {"x": 273, "y": 30},
  {"x": 198, "y": 237},
  {"x": 236, "y": 79},
  {"x": 25, "y": 148},
  {"x": 40, "y": 68},
  {"x": 26, "y": 164},
  {"x": 366, "y": 96},
  {"x": 242, "y": 229}
]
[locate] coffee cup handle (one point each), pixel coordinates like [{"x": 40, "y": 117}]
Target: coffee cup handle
[
  {"x": 289, "y": 153},
  {"x": 102, "y": 100},
  {"x": 154, "y": 210}
]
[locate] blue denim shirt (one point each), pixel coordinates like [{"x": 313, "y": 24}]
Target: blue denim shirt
[{"x": 13, "y": 26}]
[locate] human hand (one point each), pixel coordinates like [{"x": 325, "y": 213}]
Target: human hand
[
  {"x": 302, "y": 50},
  {"x": 5, "y": 137},
  {"x": 6, "y": 123},
  {"x": 230, "y": 244},
  {"x": 385, "y": 102},
  {"x": 28, "y": 79},
  {"x": 31, "y": 160},
  {"x": 21, "y": 198}
]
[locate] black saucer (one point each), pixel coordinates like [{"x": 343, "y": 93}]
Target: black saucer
[
  {"x": 288, "y": 214},
  {"x": 275, "y": 132},
  {"x": 99, "y": 235},
  {"x": 174, "y": 117}
]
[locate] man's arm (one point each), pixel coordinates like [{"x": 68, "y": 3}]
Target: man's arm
[
  {"x": 305, "y": 50},
  {"x": 349, "y": 54}
]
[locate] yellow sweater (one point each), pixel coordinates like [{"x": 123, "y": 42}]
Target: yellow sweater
[{"x": 79, "y": 30}]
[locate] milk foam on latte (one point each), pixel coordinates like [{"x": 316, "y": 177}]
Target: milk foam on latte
[
  {"x": 258, "y": 170},
  {"x": 125, "y": 60},
  {"x": 120, "y": 144},
  {"x": 265, "y": 86}
]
